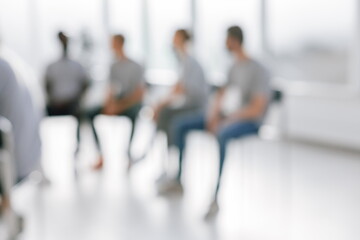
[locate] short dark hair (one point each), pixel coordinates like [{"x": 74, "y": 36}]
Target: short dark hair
[
  {"x": 64, "y": 40},
  {"x": 120, "y": 38},
  {"x": 185, "y": 34},
  {"x": 237, "y": 33}
]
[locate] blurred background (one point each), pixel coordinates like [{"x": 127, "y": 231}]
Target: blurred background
[{"x": 300, "y": 179}]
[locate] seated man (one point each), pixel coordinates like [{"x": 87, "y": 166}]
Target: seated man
[
  {"x": 251, "y": 81},
  {"x": 190, "y": 92},
  {"x": 66, "y": 83},
  {"x": 125, "y": 93}
]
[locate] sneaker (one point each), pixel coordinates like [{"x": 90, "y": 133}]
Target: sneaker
[
  {"x": 98, "y": 165},
  {"x": 170, "y": 187},
  {"x": 213, "y": 210}
]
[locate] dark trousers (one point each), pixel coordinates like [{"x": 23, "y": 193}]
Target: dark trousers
[
  {"x": 132, "y": 113},
  {"x": 67, "y": 109}
]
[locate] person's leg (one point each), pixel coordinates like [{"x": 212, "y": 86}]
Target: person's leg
[
  {"x": 91, "y": 118},
  {"x": 227, "y": 133},
  {"x": 167, "y": 117},
  {"x": 132, "y": 113},
  {"x": 181, "y": 127}
]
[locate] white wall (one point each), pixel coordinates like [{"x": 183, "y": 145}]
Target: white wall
[{"x": 328, "y": 119}]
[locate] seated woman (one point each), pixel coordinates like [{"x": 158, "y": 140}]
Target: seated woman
[
  {"x": 189, "y": 94},
  {"x": 66, "y": 82}
]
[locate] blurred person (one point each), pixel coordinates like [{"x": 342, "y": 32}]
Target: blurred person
[
  {"x": 251, "y": 81},
  {"x": 125, "y": 94},
  {"x": 188, "y": 95},
  {"x": 17, "y": 106},
  {"x": 66, "y": 82}
]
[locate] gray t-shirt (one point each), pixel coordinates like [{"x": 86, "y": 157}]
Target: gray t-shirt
[
  {"x": 193, "y": 79},
  {"x": 247, "y": 79},
  {"x": 125, "y": 76},
  {"x": 17, "y": 106},
  {"x": 67, "y": 78}
]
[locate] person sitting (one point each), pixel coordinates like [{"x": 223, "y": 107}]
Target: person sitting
[
  {"x": 125, "y": 94},
  {"x": 251, "y": 83},
  {"x": 188, "y": 95},
  {"x": 66, "y": 82},
  {"x": 24, "y": 152}
]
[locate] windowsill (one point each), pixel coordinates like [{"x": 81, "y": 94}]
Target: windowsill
[{"x": 318, "y": 89}]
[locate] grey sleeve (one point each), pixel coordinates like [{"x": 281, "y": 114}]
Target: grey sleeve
[
  {"x": 228, "y": 79},
  {"x": 84, "y": 75},
  {"x": 47, "y": 75},
  {"x": 111, "y": 77},
  {"x": 184, "y": 73},
  {"x": 140, "y": 75},
  {"x": 261, "y": 82}
]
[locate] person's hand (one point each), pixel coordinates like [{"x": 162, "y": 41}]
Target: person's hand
[
  {"x": 213, "y": 124},
  {"x": 110, "y": 109},
  {"x": 157, "y": 109}
]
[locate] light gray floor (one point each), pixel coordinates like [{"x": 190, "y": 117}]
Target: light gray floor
[{"x": 271, "y": 190}]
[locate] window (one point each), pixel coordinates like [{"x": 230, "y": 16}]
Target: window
[
  {"x": 311, "y": 40},
  {"x": 126, "y": 17},
  {"x": 82, "y": 20},
  {"x": 213, "y": 19},
  {"x": 16, "y": 29},
  {"x": 164, "y": 18}
]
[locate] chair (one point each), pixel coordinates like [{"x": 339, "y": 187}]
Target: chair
[{"x": 12, "y": 221}]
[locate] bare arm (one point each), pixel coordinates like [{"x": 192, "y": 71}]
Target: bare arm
[
  {"x": 177, "y": 90},
  {"x": 131, "y": 99},
  {"x": 213, "y": 118},
  {"x": 116, "y": 106},
  {"x": 253, "y": 110}
]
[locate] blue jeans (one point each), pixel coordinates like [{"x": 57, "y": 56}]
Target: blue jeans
[{"x": 187, "y": 123}]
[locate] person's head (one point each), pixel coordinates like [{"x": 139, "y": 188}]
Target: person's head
[
  {"x": 118, "y": 42},
  {"x": 235, "y": 38},
  {"x": 181, "y": 38},
  {"x": 64, "y": 41}
]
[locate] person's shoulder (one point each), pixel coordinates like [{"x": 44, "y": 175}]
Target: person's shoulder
[
  {"x": 7, "y": 74},
  {"x": 134, "y": 63},
  {"x": 257, "y": 64},
  {"x": 4, "y": 65}
]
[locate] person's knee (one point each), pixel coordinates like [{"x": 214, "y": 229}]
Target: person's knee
[{"x": 223, "y": 138}]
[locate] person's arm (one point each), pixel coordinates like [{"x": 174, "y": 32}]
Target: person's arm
[
  {"x": 48, "y": 85},
  {"x": 130, "y": 100},
  {"x": 253, "y": 110},
  {"x": 213, "y": 118},
  {"x": 175, "y": 92},
  {"x": 86, "y": 80}
]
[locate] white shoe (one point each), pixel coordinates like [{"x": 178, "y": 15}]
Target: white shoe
[
  {"x": 213, "y": 210},
  {"x": 170, "y": 187}
]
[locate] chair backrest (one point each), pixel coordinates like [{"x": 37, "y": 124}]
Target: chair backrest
[{"x": 277, "y": 96}]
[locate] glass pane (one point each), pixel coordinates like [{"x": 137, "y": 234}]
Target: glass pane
[
  {"x": 310, "y": 39},
  {"x": 16, "y": 29},
  {"x": 126, "y": 18},
  {"x": 214, "y": 17},
  {"x": 164, "y": 18},
  {"x": 82, "y": 20}
]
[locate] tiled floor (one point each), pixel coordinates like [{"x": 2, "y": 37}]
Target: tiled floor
[{"x": 271, "y": 190}]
